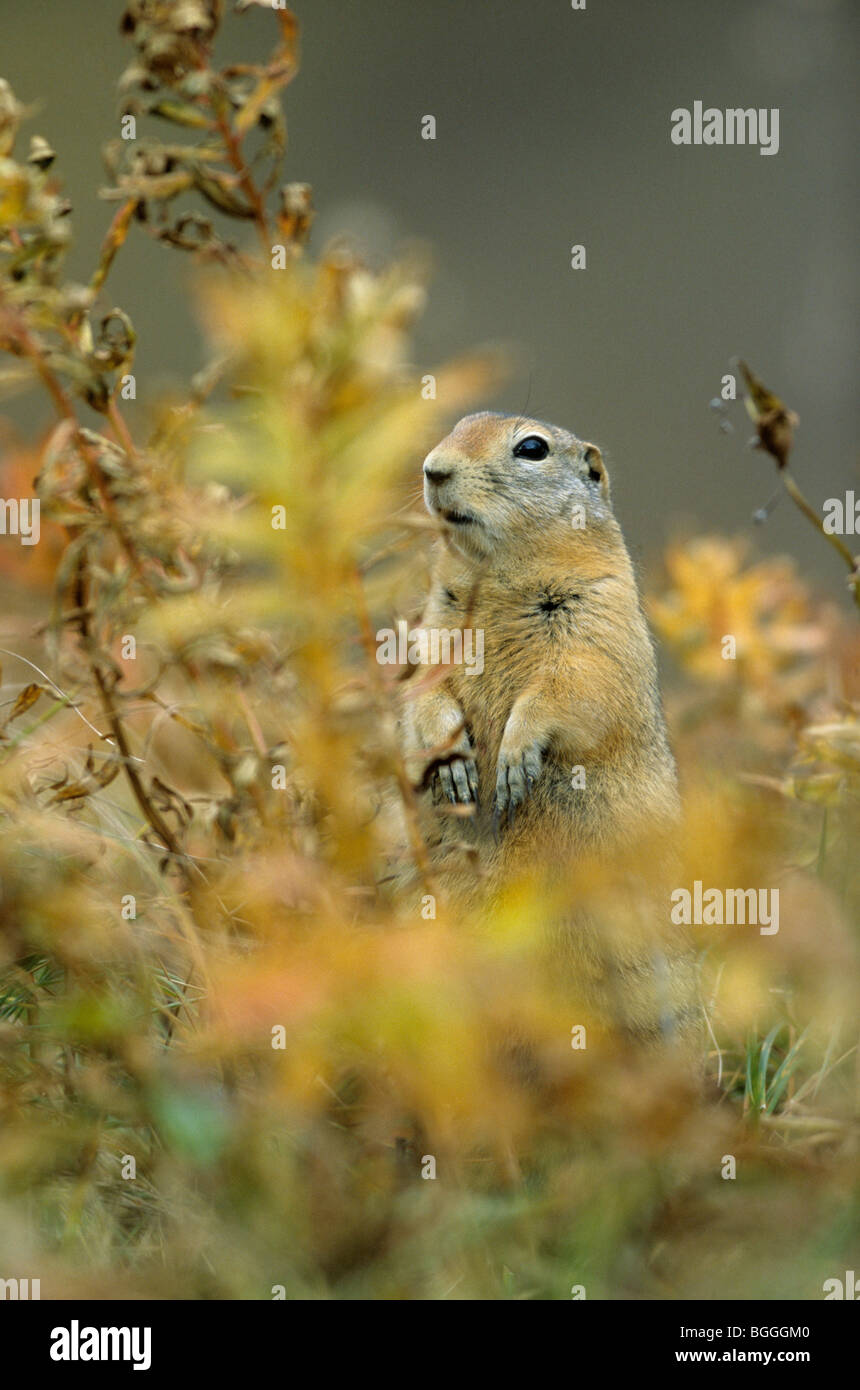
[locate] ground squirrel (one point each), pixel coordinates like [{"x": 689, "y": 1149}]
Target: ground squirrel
[{"x": 553, "y": 750}]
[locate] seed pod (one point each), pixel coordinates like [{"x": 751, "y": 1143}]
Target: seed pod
[{"x": 41, "y": 155}]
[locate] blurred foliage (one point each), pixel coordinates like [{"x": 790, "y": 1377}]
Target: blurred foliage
[{"x": 206, "y": 963}]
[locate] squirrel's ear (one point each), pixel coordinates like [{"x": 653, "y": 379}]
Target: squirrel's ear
[{"x": 595, "y": 468}]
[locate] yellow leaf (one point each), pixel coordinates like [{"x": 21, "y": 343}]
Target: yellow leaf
[{"x": 28, "y": 697}]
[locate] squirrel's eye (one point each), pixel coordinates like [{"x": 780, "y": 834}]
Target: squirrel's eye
[{"x": 532, "y": 447}]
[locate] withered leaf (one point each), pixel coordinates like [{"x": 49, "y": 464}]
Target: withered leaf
[
  {"x": 106, "y": 774},
  {"x": 180, "y": 114},
  {"x": 72, "y": 792},
  {"x": 171, "y": 800},
  {"x": 266, "y": 88},
  {"x": 775, "y": 423},
  {"x": 26, "y": 699},
  {"x": 218, "y": 189},
  {"x": 160, "y": 187}
]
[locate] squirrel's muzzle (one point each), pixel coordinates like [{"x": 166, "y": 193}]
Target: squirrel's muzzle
[{"x": 436, "y": 471}]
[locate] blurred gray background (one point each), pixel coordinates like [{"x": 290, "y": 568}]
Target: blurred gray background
[{"x": 552, "y": 129}]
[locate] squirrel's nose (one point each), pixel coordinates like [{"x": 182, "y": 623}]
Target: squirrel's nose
[
  {"x": 435, "y": 471},
  {"x": 437, "y": 475}
]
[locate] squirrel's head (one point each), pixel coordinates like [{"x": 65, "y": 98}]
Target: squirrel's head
[{"x": 501, "y": 482}]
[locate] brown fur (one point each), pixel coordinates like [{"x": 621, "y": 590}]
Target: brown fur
[{"x": 569, "y": 680}]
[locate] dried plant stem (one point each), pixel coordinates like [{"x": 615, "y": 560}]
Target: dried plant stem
[
  {"x": 67, "y": 412},
  {"x": 810, "y": 513},
  {"x": 152, "y": 815},
  {"x": 121, "y": 429},
  {"x": 233, "y": 150},
  {"x": 114, "y": 239}
]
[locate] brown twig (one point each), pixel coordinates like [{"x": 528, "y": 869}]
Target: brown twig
[
  {"x": 152, "y": 815},
  {"x": 233, "y": 150}
]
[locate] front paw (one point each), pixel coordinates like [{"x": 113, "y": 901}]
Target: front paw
[
  {"x": 457, "y": 779},
  {"x": 516, "y": 773}
]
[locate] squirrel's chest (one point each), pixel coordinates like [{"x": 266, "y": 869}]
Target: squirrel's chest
[
  {"x": 517, "y": 634},
  {"x": 548, "y": 617}
]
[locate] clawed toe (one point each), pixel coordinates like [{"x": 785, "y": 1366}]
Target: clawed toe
[{"x": 458, "y": 781}]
